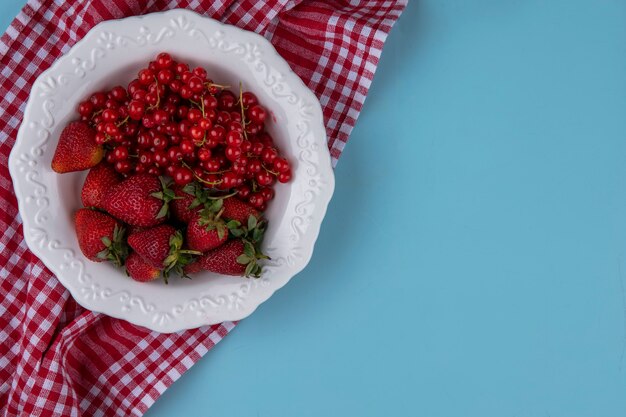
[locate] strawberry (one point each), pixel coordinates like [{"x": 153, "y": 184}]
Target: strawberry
[
  {"x": 184, "y": 207},
  {"x": 100, "y": 236},
  {"x": 139, "y": 270},
  {"x": 140, "y": 200},
  {"x": 206, "y": 232},
  {"x": 98, "y": 182},
  {"x": 160, "y": 247},
  {"x": 235, "y": 209},
  {"x": 77, "y": 149},
  {"x": 235, "y": 257}
]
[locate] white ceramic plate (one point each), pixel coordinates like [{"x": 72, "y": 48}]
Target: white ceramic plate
[{"x": 111, "y": 53}]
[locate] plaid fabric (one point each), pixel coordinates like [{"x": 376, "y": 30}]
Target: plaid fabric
[{"x": 57, "y": 358}]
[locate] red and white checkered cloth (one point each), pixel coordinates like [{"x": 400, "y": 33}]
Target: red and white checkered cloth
[{"x": 57, "y": 358}]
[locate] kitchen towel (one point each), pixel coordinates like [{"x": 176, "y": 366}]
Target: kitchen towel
[{"x": 58, "y": 359}]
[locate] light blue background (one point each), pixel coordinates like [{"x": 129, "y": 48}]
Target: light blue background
[{"x": 472, "y": 259}]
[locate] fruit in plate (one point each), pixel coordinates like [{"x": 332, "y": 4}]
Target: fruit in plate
[
  {"x": 100, "y": 236},
  {"x": 77, "y": 149},
  {"x": 161, "y": 247},
  {"x": 191, "y": 199},
  {"x": 206, "y": 231},
  {"x": 99, "y": 181},
  {"x": 140, "y": 270},
  {"x": 173, "y": 122},
  {"x": 140, "y": 200},
  {"x": 235, "y": 209},
  {"x": 237, "y": 257}
]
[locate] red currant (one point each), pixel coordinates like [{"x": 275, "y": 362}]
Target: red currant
[
  {"x": 154, "y": 170},
  {"x": 232, "y": 153},
  {"x": 120, "y": 153},
  {"x": 210, "y": 102},
  {"x": 269, "y": 155},
  {"x": 196, "y": 132},
  {"x": 204, "y": 154},
  {"x": 200, "y": 72},
  {"x": 145, "y": 158},
  {"x": 243, "y": 191},
  {"x": 217, "y": 133},
  {"x": 123, "y": 167},
  {"x": 183, "y": 176},
  {"x": 187, "y": 147},
  {"x": 181, "y": 68},
  {"x": 185, "y": 92},
  {"x": 174, "y": 154},
  {"x": 176, "y": 85},
  {"x": 284, "y": 176},
  {"x": 281, "y": 165},
  {"x": 234, "y": 138},
  {"x": 146, "y": 76},
  {"x": 264, "y": 178},
  {"x": 98, "y": 100},
  {"x": 256, "y": 200},
  {"x": 85, "y": 108},
  {"x": 164, "y": 60},
  {"x": 160, "y": 158},
  {"x": 205, "y": 124},
  {"x": 248, "y": 99},
  {"x": 267, "y": 193},
  {"x": 118, "y": 93},
  {"x": 110, "y": 115},
  {"x": 194, "y": 115},
  {"x": 227, "y": 101},
  {"x": 257, "y": 114},
  {"x": 160, "y": 116},
  {"x": 165, "y": 76},
  {"x": 254, "y": 166},
  {"x": 195, "y": 84}
]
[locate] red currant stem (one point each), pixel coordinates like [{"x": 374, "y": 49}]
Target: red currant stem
[
  {"x": 254, "y": 186},
  {"x": 207, "y": 172},
  {"x": 269, "y": 170},
  {"x": 243, "y": 117},
  {"x": 123, "y": 122},
  {"x": 156, "y": 106},
  {"x": 218, "y": 197},
  {"x": 96, "y": 113},
  {"x": 209, "y": 85},
  {"x": 203, "y": 181},
  {"x": 133, "y": 156}
]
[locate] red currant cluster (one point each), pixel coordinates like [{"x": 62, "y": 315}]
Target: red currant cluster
[{"x": 173, "y": 120}]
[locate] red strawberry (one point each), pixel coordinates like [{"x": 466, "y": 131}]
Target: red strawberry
[
  {"x": 206, "y": 232},
  {"x": 160, "y": 247},
  {"x": 181, "y": 208},
  {"x": 100, "y": 236},
  {"x": 140, "y": 200},
  {"x": 139, "y": 270},
  {"x": 193, "y": 268},
  {"x": 235, "y": 209},
  {"x": 98, "y": 182},
  {"x": 77, "y": 149},
  {"x": 235, "y": 257}
]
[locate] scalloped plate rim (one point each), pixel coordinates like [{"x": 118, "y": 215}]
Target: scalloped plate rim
[{"x": 322, "y": 205}]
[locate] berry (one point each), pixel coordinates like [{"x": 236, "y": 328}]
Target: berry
[
  {"x": 77, "y": 149},
  {"x": 100, "y": 236},
  {"x": 98, "y": 182},
  {"x": 140, "y": 200},
  {"x": 140, "y": 270},
  {"x": 257, "y": 114}
]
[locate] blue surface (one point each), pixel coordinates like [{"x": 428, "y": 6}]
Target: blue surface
[{"x": 472, "y": 260}]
